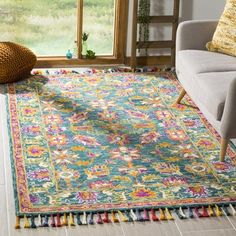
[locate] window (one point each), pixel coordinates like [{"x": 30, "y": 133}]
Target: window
[
  {"x": 99, "y": 22},
  {"x": 50, "y": 28},
  {"x": 47, "y": 27}
]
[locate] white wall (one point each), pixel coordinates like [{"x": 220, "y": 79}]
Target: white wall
[
  {"x": 202, "y": 9},
  {"x": 189, "y": 10}
]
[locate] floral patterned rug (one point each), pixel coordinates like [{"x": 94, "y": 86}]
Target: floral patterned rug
[{"x": 86, "y": 143}]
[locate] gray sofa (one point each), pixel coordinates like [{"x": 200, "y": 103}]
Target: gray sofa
[{"x": 208, "y": 78}]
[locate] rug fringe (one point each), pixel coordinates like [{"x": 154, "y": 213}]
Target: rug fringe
[
  {"x": 17, "y": 226},
  {"x": 153, "y": 215},
  {"x": 99, "y": 219},
  {"x": 58, "y": 221},
  {"x": 79, "y": 222},
  {"x": 52, "y": 224},
  {"x": 26, "y": 222},
  {"x": 65, "y": 221},
  {"x": 124, "y": 215},
  {"x": 91, "y": 222}
]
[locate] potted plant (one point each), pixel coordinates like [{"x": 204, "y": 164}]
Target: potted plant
[
  {"x": 144, "y": 20},
  {"x": 84, "y": 43}
]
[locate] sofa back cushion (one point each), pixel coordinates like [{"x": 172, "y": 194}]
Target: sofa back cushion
[{"x": 224, "y": 38}]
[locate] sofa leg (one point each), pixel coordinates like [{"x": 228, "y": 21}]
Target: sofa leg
[
  {"x": 223, "y": 148},
  {"x": 181, "y": 95}
]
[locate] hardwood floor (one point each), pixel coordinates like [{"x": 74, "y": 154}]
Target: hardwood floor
[{"x": 198, "y": 227}]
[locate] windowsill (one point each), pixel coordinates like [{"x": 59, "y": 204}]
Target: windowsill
[
  {"x": 50, "y": 62},
  {"x": 57, "y": 58}
]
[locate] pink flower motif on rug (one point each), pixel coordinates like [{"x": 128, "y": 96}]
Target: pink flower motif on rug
[
  {"x": 57, "y": 139},
  {"x": 87, "y": 197},
  {"x": 138, "y": 114},
  {"x": 197, "y": 191},
  {"x": 150, "y": 137},
  {"x": 86, "y": 140},
  {"x": 174, "y": 181},
  {"x": 125, "y": 154},
  {"x": 29, "y": 111},
  {"x": 222, "y": 166},
  {"x": 120, "y": 139},
  {"x": 167, "y": 168},
  {"x": 101, "y": 184},
  {"x": 50, "y": 119},
  {"x": 39, "y": 175},
  {"x": 78, "y": 117},
  {"x": 143, "y": 193},
  {"x": 163, "y": 114},
  {"x": 35, "y": 151},
  {"x": 206, "y": 143},
  {"x": 107, "y": 115},
  {"x": 176, "y": 135}
]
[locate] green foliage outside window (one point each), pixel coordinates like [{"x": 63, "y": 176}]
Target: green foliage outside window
[{"x": 48, "y": 27}]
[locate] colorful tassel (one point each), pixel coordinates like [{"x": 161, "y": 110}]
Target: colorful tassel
[
  {"x": 58, "y": 222},
  {"x": 182, "y": 213},
  {"x": 139, "y": 215},
  {"x": 33, "y": 225},
  {"x": 106, "y": 218},
  {"x": 53, "y": 224},
  {"x": 225, "y": 210},
  {"x": 78, "y": 219},
  {"x": 71, "y": 220},
  {"x": 114, "y": 218},
  {"x": 65, "y": 221},
  {"x": 146, "y": 215},
  {"x": 197, "y": 213},
  {"x": 153, "y": 215},
  {"x": 40, "y": 221},
  {"x": 26, "y": 222},
  {"x": 190, "y": 212},
  {"x": 218, "y": 211},
  {"x": 99, "y": 219},
  {"x": 84, "y": 219},
  {"x": 122, "y": 217},
  {"x": 130, "y": 219},
  {"x": 168, "y": 214},
  {"x": 210, "y": 211},
  {"x": 133, "y": 216},
  {"x": 162, "y": 215},
  {"x": 91, "y": 222},
  {"x": 45, "y": 222},
  {"x": 177, "y": 212},
  {"x": 204, "y": 212},
  {"x": 17, "y": 226},
  {"x": 232, "y": 209}
]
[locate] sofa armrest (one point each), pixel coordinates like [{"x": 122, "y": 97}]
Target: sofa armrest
[
  {"x": 195, "y": 34},
  {"x": 228, "y": 120}
]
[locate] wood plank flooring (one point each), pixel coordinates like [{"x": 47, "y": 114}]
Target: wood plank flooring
[{"x": 223, "y": 226}]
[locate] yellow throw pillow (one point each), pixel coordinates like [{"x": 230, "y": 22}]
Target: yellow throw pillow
[
  {"x": 16, "y": 62},
  {"x": 224, "y": 38}
]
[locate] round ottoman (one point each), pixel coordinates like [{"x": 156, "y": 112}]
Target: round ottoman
[{"x": 16, "y": 62}]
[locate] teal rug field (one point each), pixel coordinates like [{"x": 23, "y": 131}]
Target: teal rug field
[{"x": 102, "y": 143}]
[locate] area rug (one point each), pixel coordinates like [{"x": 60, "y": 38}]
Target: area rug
[{"x": 112, "y": 145}]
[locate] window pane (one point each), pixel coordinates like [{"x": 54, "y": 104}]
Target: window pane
[
  {"x": 98, "y": 21},
  {"x": 48, "y": 27}
]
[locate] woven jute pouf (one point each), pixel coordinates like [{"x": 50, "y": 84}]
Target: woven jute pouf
[{"x": 16, "y": 62}]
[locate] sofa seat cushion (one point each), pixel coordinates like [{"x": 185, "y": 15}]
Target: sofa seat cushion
[
  {"x": 199, "y": 61},
  {"x": 212, "y": 90}
]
